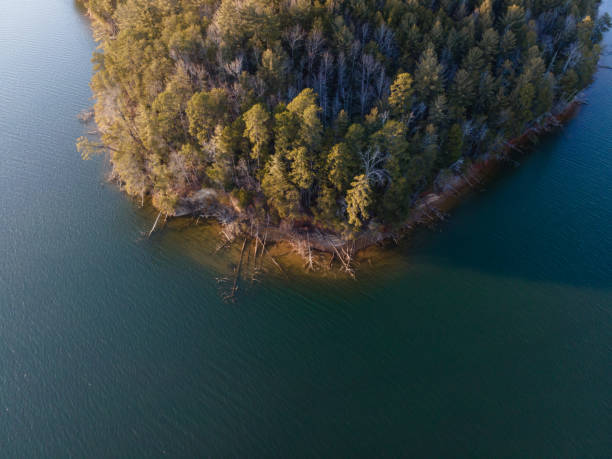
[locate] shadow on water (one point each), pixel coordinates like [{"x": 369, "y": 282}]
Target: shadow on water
[{"x": 546, "y": 220}]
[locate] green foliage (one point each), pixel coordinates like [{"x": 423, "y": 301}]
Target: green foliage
[
  {"x": 428, "y": 76},
  {"x": 244, "y": 197},
  {"x": 358, "y": 201},
  {"x": 401, "y": 94},
  {"x": 453, "y": 146},
  {"x": 341, "y": 166},
  {"x": 221, "y": 170},
  {"x": 257, "y": 130},
  {"x": 302, "y": 173},
  {"x": 206, "y": 110},
  {"x": 288, "y": 101},
  {"x": 281, "y": 194},
  {"x": 326, "y": 210}
]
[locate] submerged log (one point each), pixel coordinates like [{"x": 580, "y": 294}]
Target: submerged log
[
  {"x": 265, "y": 250},
  {"x": 278, "y": 265},
  {"x": 232, "y": 293},
  {"x": 154, "y": 224},
  {"x": 263, "y": 247}
]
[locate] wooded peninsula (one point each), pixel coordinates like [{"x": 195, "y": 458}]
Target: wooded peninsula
[{"x": 330, "y": 116}]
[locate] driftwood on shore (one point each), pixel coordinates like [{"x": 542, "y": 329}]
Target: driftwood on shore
[{"x": 345, "y": 255}]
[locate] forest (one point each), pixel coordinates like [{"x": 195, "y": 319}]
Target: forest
[{"x": 337, "y": 112}]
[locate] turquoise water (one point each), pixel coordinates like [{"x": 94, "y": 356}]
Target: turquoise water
[{"x": 491, "y": 336}]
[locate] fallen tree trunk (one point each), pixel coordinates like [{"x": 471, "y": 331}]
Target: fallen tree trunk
[{"x": 154, "y": 224}]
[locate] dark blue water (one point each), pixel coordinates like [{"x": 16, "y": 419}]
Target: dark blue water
[{"x": 489, "y": 337}]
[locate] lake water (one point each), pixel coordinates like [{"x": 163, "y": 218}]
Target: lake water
[{"x": 491, "y": 336}]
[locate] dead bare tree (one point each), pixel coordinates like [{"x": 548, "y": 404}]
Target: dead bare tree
[
  {"x": 368, "y": 68},
  {"x": 294, "y": 37},
  {"x": 385, "y": 39},
  {"x": 372, "y": 160},
  {"x": 310, "y": 264},
  {"x": 345, "y": 254},
  {"x": 322, "y": 81},
  {"x": 574, "y": 54},
  {"x": 234, "y": 68},
  {"x": 314, "y": 43}
]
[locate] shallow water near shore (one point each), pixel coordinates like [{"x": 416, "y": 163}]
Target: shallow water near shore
[{"x": 489, "y": 336}]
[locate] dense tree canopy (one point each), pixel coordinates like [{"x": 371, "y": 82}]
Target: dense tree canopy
[{"x": 339, "y": 110}]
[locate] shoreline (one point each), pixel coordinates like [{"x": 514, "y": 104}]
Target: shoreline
[
  {"x": 430, "y": 207},
  {"x": 444, "y": 192}
]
